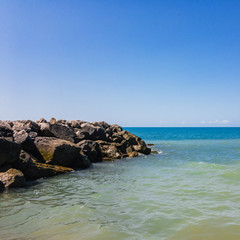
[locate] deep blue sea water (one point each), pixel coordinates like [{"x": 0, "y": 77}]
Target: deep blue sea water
[
  {"x": 190, "y": 190},
  {"x": 185, "y": 133}
]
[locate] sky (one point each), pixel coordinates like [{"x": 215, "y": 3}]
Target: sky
[{"x": 132, "y": 62}]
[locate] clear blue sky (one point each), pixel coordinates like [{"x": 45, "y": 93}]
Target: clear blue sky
[{"x": 132, "y": 62}]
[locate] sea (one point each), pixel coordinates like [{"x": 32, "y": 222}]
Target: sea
[{"x": 189, "y": 190}]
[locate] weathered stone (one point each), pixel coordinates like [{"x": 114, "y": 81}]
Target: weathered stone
[
  {"x": 33, "y": 170},
  {"x": 89, "y": 132},
  {"x": 45, "y": 130},
  {"x": 91, "y": 149},
  {"x": 42, "y": 120},
  {"x": 76, "y": 123},
  {"x": 5, "y": 131},
  {"x": 57, "y": 151},
  {"x": 142, "y": 148},
  {"x": 27, "y": 144},
  {"x": 32, "y": 135},
  {"x": 57, "y": 130},
  {"x": 62, "y": 132},
  {"x": 101, "y": 124},
  {"x": 52, "y": 120},
  {"x": 133, "y": 154},
  {"x": 109, "y": 151},
  {"x": 154, "y": 152},
  {"x": 9, "y": 152},
  {"x": 26, "y": 125},
  {"x": 116, "y": 128},
  {"x": 13, "y": 178}
]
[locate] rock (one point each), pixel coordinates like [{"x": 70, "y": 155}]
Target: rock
[
  {"x": 109, "y": 151},
  {"x": 63, "y": 122},
  {"x": 133, "y": 154},
  {"x": 90, "y": 132},
  {"x": 32, "y": 135},
  {"x": 44, "y": 130},
  {"x": 150, "y": 144},
  {"x": 59, "y": 152},
  {"x": 5, "y": 131},
  {"x": 154, "y": 152},
  {"x": 116, "y": 128},
  {"x": 53, "y": 120},
  {"x": 42, "y": 120},
  {"x": 57, "y": 130},
  {"x": 27, "y": 125},
  {"x": 33, "y": 170},
  {"x": 62, "y": 132},
  {"x": 101, "y": 124},
  {"x": 27, "y": 144},
  {"x": 82, "y": 162},
  {"x": 76, "y": 123},
  {"x": 13, "y": 178},
  {"x": 91, "y": 149},
  {"x": 9, "y": 152},
  {"x": 142, "y": 148}
]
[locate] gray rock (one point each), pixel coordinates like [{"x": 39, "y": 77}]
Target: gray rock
[{"x": 91, "y": 149}]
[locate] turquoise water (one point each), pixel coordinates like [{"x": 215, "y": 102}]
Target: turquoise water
[{"x": 190, "y": 190}]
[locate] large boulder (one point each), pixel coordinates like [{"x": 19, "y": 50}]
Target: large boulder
[
  {"x": 27, "y": 144},
  {"x": 90, "y": 132},
  {"x": 91, "y": 149},
  {"x": 109, "y": 151},
  {"x": 9, "y": 151},
  {"x": 12, "y": 178},
  {"x": 62, "y": 131},
  {"x": 32, "y": 169},
  {"x": 57, "y": 130},
  {"x": 60, "y": 152}
]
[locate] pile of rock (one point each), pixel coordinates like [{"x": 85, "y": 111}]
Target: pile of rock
[{"x": 30, "y": 150}]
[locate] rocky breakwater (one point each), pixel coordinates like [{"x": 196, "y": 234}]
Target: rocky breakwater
[{"x": 30, "y": 150}]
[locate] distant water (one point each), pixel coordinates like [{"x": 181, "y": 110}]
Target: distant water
[{"x": 189, "y": 191}]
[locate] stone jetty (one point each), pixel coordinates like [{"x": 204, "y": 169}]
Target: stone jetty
[{"x": 30, "y": 150}]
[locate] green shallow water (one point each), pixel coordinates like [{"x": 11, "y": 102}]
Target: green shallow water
[{"x": 190, "y": 190}]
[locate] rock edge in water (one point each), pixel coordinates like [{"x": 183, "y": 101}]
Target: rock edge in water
[{"x": 30, "y": 150}]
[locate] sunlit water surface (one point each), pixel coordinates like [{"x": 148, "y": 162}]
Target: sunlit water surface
[{"x": 190, "y": 190}]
